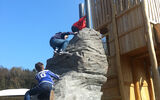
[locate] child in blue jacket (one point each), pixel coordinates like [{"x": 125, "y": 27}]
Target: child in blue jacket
[{"x": 45, "y": 82}]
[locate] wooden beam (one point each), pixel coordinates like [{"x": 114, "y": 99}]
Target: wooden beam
[
  {"x": 118, "y": 58},
  {"x": 151, "y": 49}
]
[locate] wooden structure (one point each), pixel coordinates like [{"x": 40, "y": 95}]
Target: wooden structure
[{"x": 133, "y": 41}]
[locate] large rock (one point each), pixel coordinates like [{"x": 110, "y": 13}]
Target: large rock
[{"x": 83, "y": 70}]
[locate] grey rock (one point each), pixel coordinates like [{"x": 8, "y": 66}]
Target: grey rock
[{"x": 82, "y": 70}]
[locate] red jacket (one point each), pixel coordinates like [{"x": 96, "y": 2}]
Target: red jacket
[{"x": 81, "y": 23}]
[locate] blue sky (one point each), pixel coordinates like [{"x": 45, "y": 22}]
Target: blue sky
[{"x": 26, "y": 27}]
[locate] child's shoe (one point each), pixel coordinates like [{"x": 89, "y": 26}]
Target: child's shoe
[{"x": 56, "y": 50}]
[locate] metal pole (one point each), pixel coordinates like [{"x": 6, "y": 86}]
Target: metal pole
[
  {"x": 81, "y": 10},
  {"x": 88, "y": 12}
]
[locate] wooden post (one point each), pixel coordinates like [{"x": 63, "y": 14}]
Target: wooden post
[
  {"x": 151, "y": 49},
  {"x": 150, "y": 81},
  {"x": 135, "y": 79},
  {"x": 118, "y": 60}
]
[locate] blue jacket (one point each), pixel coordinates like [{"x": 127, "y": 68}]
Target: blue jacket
[
  {"x": 46, "y": 76},
  {"x": 60, "y": 35}
]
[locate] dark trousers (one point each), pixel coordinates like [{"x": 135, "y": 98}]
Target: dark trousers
[
  {"x": 42, "y": 88},
  {"x": 60, "y": 44}
]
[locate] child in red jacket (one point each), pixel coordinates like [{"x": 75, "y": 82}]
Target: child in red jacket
[{"x": 79, "y": 25}]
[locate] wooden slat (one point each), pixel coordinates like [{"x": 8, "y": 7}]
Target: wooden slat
[
  {"x": 154, "y": 15},
  {"x": 149, "y": 10},
  {"x": 99, "y": 14},
  {"x": 155, "y": 11},
  {"x": 157, "y": 3},
  {"x": 136, "y": 1},
  {"x": 127, "y": 4},
  {"x": 102, "y": 12},
  {"x": 132, "y": 3},
  {"x": 109, "y": 11},
  {"x": 139, "y": 1},
  {"x": 118, "y": 8},
  {"x": 105, "y": 10},
  {"x": 96, "y": 14},
  {"x": 121, "y": 5}
]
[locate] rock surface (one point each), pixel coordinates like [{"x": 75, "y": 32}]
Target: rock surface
[{"x": 82, "y": 70}]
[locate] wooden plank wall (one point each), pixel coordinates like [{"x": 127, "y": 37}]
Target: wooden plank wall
[
  {"x": 130, "y": 26},
  {"x": 154, "y": 10},
  {"x": 101, "y": 10},
  {"x": 101, "y": 13},
  {"x": 129, "y": 22},
  {"x": 123, "y": 5}
]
